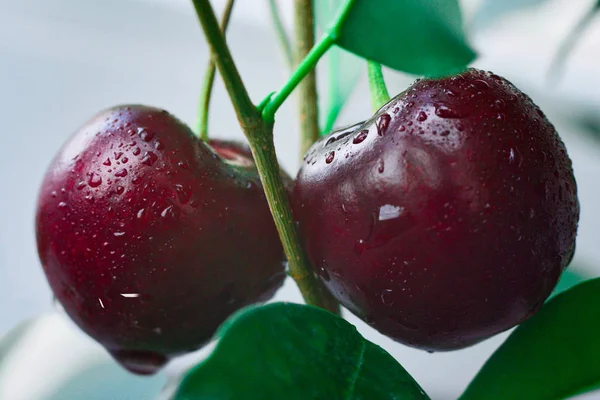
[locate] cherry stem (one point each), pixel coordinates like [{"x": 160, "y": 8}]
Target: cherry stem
[
  {"x": 377, "y": 87},
  {"x": 308, "y": 63},
  {"x": 260, "y": 137},
  {"x": 307, "y": 90},
  {"x": 312, "y": 289},
  {"x": 209, "y": 79},
  {"x": 284, "y": 41}
]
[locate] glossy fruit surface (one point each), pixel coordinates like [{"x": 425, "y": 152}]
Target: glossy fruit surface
[
  {"x": 447, "y": 217},
  {"x": 150, "y": 239}
]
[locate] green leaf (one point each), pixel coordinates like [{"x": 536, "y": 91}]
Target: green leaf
[
  {"x": 422, "y": 37},
  {"x": 343, "y": 70},
  {"x": 569, "y": 278},
  {"x": 553, "y": 355},
  {"x": 290, "y": 351}
]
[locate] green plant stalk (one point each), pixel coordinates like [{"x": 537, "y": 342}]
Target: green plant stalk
[
  {"x": 247, "y": 114},
  {"x": 312, "y": 289},
  {"x": 377, "y": 87},
  {"x": 209, "y": 79},
  {"x": 307, "y": 65},
  {"x": 307, "y": 89},
  {"x": 260, "y": 138},
  {"x": 284, "y": 41}
]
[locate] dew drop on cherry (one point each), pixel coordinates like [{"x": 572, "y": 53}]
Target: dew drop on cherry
[
  {"x": 94, "y": 180},
  {"x": 140, "y": 362},
  {"x": 362, "y": 135},
  {"x": 383, "y": 122},
  {"x": 330, "y": 157}
]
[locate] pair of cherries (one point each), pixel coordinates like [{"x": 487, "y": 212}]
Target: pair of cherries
[{"x": 444, "y": 219}]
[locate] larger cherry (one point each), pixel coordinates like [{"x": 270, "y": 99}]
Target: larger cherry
[
  {"x": 150, "y": 239},
  {"x": 447, "y": 217}
]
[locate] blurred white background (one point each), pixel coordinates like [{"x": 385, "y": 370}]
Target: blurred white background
[{"x": 63, "y": 60}]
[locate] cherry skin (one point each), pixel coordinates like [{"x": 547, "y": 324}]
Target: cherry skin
[
  {"x": 447, "y": 217},
  {"x": 149, "y": 239}
]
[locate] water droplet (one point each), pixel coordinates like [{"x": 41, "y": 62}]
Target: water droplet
[
  {"x": 145, "y": 135},
  {"x": 149, "y": 158},
  {"x": 387, "y": 298},
  {"x": 107, "y": 162},
  {"x": 54, "y": 194},
  {"x": 389, "y": 211},
  {"x": 119, "y": 234},
  {"x": 167, "y": 211},
  {"x": 140, "y": 362},
  {"x": 443, "y": 111},
  {"x": 122, "y": 173},
  {"x": 62, "y": 204},
  {"x": 94, "y": 180},
  {"x": 130, "y": 295},
  {"x": 383, "y": 122},
  {"x": 140, "y": 213},
  {"x": 460, "y": 127},
  {"x": 81, "y": 185},
  {"x": 444, "y": 133},
  {"x": 500, "y": 117},
  {"x": 449, "y": 93},
  {"x": 481, "y": 84},
  {"x": 381, "y": 166},
  {"x": 421, "y": 116},
  {"x": 136, "y": 151},
  {"x": 402, "y": 128},
  {"x": 330, "y": 157},
  {"x": 120, "y": 189},
  {"x": 361, "y": 136},
  {"x": 124, "y": 160},
  {"x": 118, "y": 155},
  {"x": 158, "y": 145}
]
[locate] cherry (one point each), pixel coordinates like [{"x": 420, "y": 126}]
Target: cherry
[
  {"x": 445, "y": 218},
  {"x": 150, "y": 239}
]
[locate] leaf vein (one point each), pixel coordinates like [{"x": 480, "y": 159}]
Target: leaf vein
[{"x": 355, "y": 375}]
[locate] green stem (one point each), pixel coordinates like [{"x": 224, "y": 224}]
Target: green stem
[
  {"x": 260, "y": 138},
  {"x": 377, "y": 87},
  {"x": 312, "y": 289},
  {"x": 247, "y": 113},
  {"x": 209, "y": 79},
  {"x": 307, "y": 65},
  {"x": 284, "y": 41},
  {"x": 307, "y": 89}
]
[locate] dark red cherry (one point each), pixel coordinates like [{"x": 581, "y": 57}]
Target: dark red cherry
[
  {"x": 447, "y": 217},
  {"x": 150, "y": 239}
]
